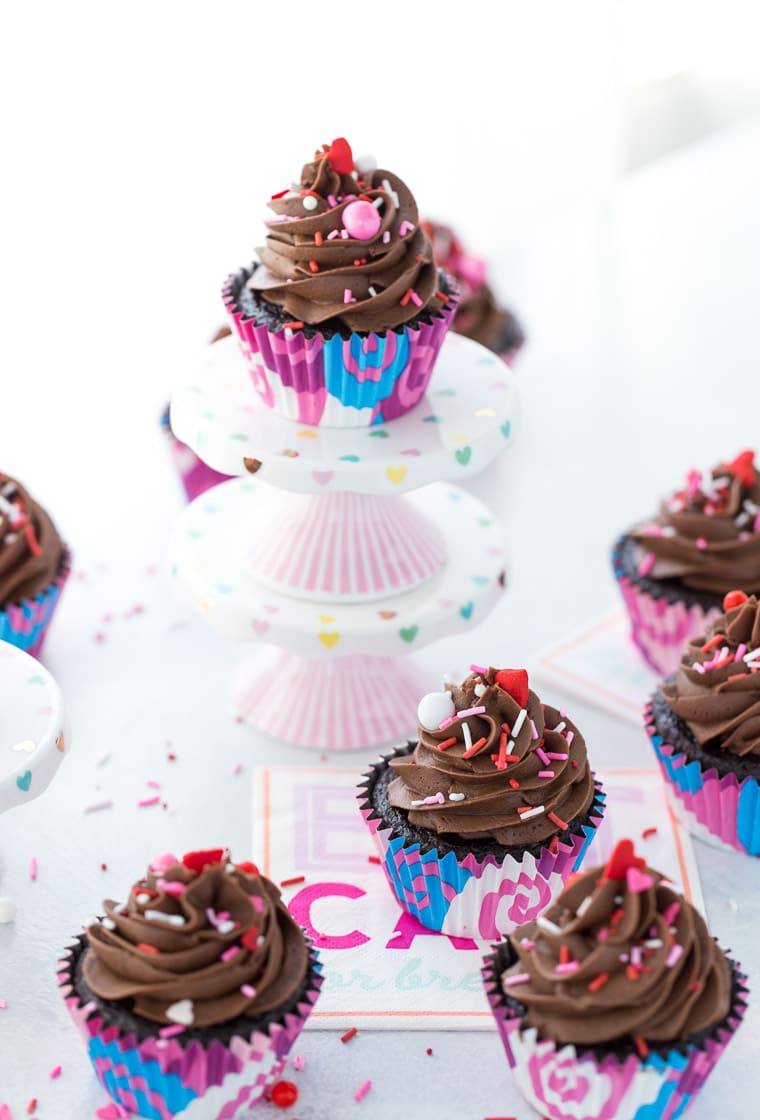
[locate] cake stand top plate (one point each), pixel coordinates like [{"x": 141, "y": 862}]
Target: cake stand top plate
[{"x": 463, "y": 422}]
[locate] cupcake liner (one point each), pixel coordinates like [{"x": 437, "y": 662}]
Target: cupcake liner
[
  {"x": 466, "y": 897},
  {"x": 723, "y": 809},
  {"x": 661, "y": 629},
  {"x": 195, "y": 475},
  {"x": 159, "y": 1078},
  {"x": 565, "y": 1084},
  {"x": 339, "y": 382},
  {"x": 25, "y": 624}
]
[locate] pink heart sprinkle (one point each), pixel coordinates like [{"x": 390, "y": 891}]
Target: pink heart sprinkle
[
  {"x": 411, "y": 451},
  {"x": 260, "y": 626},
  {"x": 637, "y": 881}
]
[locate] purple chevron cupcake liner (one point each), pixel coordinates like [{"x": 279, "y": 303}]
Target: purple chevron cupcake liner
[
  {"x": 722, "y": 810},
  {"x": 562, "y": 1083},
  {"x": 163, "y": 1076},
  {"x": 660, "y": 629},
  {"x": 26, "y": 624},
  {"x": 473, "y": 897},
  {"x": 196, "y": 476},
  {"x": 339, "y": 382}
]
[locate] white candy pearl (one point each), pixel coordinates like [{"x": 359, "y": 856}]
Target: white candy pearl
[
  {"x": 434, "y": 708},
  {"x": 7, "y": 910},
  {"x": 309, "y": 202}
]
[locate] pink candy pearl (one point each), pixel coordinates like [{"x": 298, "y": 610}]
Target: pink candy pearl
[
  {"x": 163, "y": 861},
  {"x": 362, "y": 220}
]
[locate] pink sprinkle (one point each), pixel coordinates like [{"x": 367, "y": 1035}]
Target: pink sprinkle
[
  {"x": 153, "y": 784},
  {"x": 756, "y": 525},
  {"x": 603, "y": 934},
  {"x": 569, "y": 736},
  {"x": 415, "y": 298},
  {"x": 331, "y": 200},
  {"x": 298, "y": 1061},
  {"x": 386, "y": 237},
  {"x": 362, "y": 1091},
  {"x": 170, "y": 1032},
  {"x": 344, "y": 234},
  {"x": 636, "y": 956},
  {"x": 699, "y": 668},
  {"x": 740, "y": 652},
  {"x": 546, "y": 773},
  {"x": 236, "y": 769},
  {"x": 228, "y": 954},
  {"x": 569, "y": 966},
  {"x": 257, "y": 903},
  {"x": 543, "y": 756},
  {"x": 348, "y": 295},
  {"x": 3, "y": 1004},
  {"x": 146, "y": 802},
  {"x": 674, "y": 956},
  {"x": 56, "y": 1071},
  {"x": 513, "y": 981},
  {"x": 478, "y": 669},
  {"x": 527, "y": 943},
  {"x": 333, "y": 234},
  {"x": 111, "y": 1111},
  {"x": 171, "y": 886},
  {"x": 447, "y": 723},
  {"x": 247, "y": 991},
  {"x": 671, "y": 913},
  {"x": 647, "y": 564},
  {"x": 556, "y": 755},
  {"x": 469, "y": 712},
  {"x": 33, "y": 868},
  {"x": 701, "y": 543},
  {"x": 533, "y": 732}
]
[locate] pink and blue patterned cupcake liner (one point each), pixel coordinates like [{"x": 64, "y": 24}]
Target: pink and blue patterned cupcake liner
[
  {"x": 335, "y": 381},
  {"x": 473, "y": 897},
  {"x": 659, "y": 628},
  {"x": 720, "y": 809},
  {"x": 162, "y": 1077},
  {"x": 196, "y": 476},
  {"x": 25, "y": 624},
  {"x": 562, "y": 1083}
]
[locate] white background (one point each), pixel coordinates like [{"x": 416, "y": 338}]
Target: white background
[{"x": 138, "y": 145}]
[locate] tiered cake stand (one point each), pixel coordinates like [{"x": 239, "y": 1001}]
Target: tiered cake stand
[{"x": 340, "y": 546}]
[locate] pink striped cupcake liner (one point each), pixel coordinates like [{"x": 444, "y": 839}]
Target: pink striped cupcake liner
[
  {"x": 162, "y": 1077},
  {"x": 563, "y": 1083},
  {"x": 26, "y": 624},
  {"x": 723, "y": 810},
  {"x": 339, "y": 382},
  {"x": 473, "y": 897}
]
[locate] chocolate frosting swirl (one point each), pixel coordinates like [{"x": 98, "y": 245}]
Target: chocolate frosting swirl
[
  {"x": 30, "y": 547},
  {"x": 708, "y": 534},
  {"x": 312, "y": 268},
  {"x": 716, "y": 690},
  {"x": 617, "y": 959},
  {"x": 519, "y": 800},
  {"x": 218, "y": 941}
]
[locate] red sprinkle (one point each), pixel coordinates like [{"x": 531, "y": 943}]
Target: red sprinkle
[
  {"x": 641, "y": 1046},
  {"x": 405, "y": 298},
  {"x": 648, "y": 832},
  {"x": 444, "y": 746},
  {"x": 32, "y": 1105},
  {"x": 296, "y": 324},
  {"x": 441, "y": 296},
  {"x": 172, "y": 757},
  {"x": 147, "y": 948},
  {"x": 313, "y": 266},
  {"x": 250, "y": 939},
  {"x": 373, "y": 859},
  {"x": 716, "y": 641},
  {"x": 292, "y": 882},
  {"x": 348, "y": 1035},
  {"x": 475, "y": 748},
  {"x": 695, "y": 985},
  {"x": 514, "y": 783},
  {"x": 564, "y": 954},
  {"x": 557, "y": 820},
  {"x": 318, "y": 237},
  {"x": 598, "y": 982},
  {"x": 631, "y": 972}
]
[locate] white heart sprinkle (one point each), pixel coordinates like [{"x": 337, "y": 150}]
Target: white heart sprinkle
[
  {"x": 225, "y": 927},
  {"x": 181, "y": 1012},
  {"x": 27, "y": 746}
]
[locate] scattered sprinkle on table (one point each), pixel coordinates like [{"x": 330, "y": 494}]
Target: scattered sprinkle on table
[
  {"x": 373, "y": 859},
  {"x": 55, "y": 1072},
  {"x": 362, "y": 1091},
  {"x": 648, "y": 832},
  {"x": 146, "y": 802},
  {"x": 33, "y": 869},
  {"x": 298, "y": 1061},
  {"x": 96, "y": 806},
  {"x": 348, "y": 1035},
  {"x": 292, "y": 882}
]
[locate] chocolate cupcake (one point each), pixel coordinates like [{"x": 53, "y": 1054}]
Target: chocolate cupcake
[
  {"x": 34, "y": 566},
  {"x": 342, "y": 317},
  {"x": 704, "y": 724},
  {"x": 480, "y": 821},
  {"x": 616, "y": 1003},
  {"x": 673, "y": 572},
  {"x": 190, "y": 995},
  {"x": 479, "y": 314}
]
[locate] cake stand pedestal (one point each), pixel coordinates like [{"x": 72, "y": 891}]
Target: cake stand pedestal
[{"x": 339, "y": 548}]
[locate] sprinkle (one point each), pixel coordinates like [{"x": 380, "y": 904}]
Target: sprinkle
[
  {"x": 153, "y": 783},
  {"x": 33, "y": 869},
  {"x": 555, "y": 755},
  {"x": 405, "y": 227},
  {"x": 348, "y": 1035},
  {"x": 467, "y": 736},
  {"x": 740, "y": 651},
  {"x": 406, "y": 297},
  {"x": 373, "y": 859},
  {"x": 333, "y": 234},
  {"x": 362, "y": 1091},
  {"x": 56, "y": 1071},
  {"x": 533, "y": 732},
  {"x": 446, "y": 723},
  {"x": 674, "y": 956},
  {"x": 144, "y": 947},
  {"x": 416, "y": 300},
  {"x": 372, "y": 291},
  {"x": 247, "y": 991},
  {"x": 642, "y": 1047},
  {"x": 558, "y": 821},
  {"x": 298, "y": 1062},
  {"x": 386, "y": 237},
  {"x": 543, "y": 756},
  {"x": 228, "y": 954},
  {"x": 513, "y": 981},
  {"x": 584, "y": 904},
  {"x": 598, "y": 982},
  {"x": 96, "y": 806},
  {"x": 649, "y": 832},
  {"x": 332, "y": 201},
  {"x": 567, "y": 968},
  {"x": 514, "y": 783},
  {"x": 647, "y": 564},
  {"x": 653, "y": 943},
  {"x": 31, "y": 1107},
  {"x": 671, "y": 913},
  {"x": 632, "y": 972},
  {"x": 318, "y": 239},
  {"x": 569, "y": 737},
  {"x": 470, "y": 712},
  {"x": 546, "y": 774},
  {"x": 456, "y": 797},
  {"x": 547, "y": 925},
  {"x": 441, "y": 296},
  {"x": 603, "y": 934},
  {"x": 348, "y": 295},
  {"x": 636, "y": 955},
  {"x": 701, "y": 543},
  {"x": 292, "y": 882},
  {"x": 521, "y": 717},
  {"x": 478, "y": 669},
  {"x": 378, "y": 202},
  {"x": 753, "y": 653},
  {"x": 444, "y": 746},
  {"x": 313, "y": 266},
  {"x": 294, "y": 324},
  {"x": 146, "y": 802}
]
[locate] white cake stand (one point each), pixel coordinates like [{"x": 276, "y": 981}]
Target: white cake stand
[
  {"x": 339, "y": 547},
  {"x": 32, "y": 735}
]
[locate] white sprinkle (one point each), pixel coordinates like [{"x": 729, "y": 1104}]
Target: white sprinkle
[
  {"x": 523, "y": 714},
  {"x": 532, "y": 813},
  {"x": 372, "y": 291},
  {"x": 750, "y": 506},
  {"x": 560, "y": 726},
  {"x": 378, "y": 202},
  {"x": 108, "y": 923},
  {"x": 479, "y": 690},
  {"x": 142, "y": 898},
  {"x": 467, "y": 736},
  {"x": 389, "y": 190},
  {"x": 95, "y": 806},
  {"x": 309, "y": 202},
  {"x": 159, "y": 916},
  {"x": 583, "y": 906},
  {"x": 225, "y": 927},
  {"x": 456, "y": 797},
  {"x": 545, "y": 924},
  {"x": 416, "y": 803},
  {"x": 653, "y": 943},
  {"x": 733, "y": 905},
  {"x": 752, "y": 655},
  {"x": 386, "y": 237}
]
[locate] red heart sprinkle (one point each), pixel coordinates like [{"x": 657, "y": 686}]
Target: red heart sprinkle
[
  {"x": 742, "y": 468},
  {"x": 250, "y": 939},
  {"x": 515, "y": 682},
  {"x": 623, "y": 856},
  {"x": 247, "y": 867},
  {"x": 196, "y": 861},
  {"x": 734, "y": 599},
  {"x": 341, "y": 156}
]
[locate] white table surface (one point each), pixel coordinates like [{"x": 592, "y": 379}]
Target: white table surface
[{"x": 643, "y": 360}]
